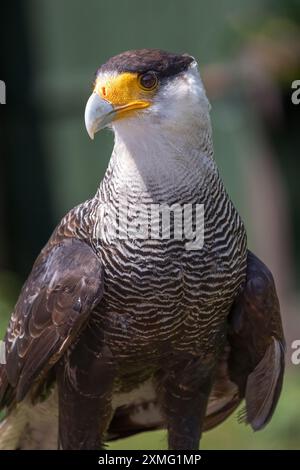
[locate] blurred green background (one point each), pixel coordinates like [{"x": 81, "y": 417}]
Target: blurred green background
[{"x": 249, "y": 54}]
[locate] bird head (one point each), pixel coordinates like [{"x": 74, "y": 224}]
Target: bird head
[{"x": 146, "y": 88}]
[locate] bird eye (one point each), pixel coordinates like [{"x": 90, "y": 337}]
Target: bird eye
[{"x": 148, "y": 80}]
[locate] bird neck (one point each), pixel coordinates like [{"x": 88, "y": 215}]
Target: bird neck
[{"x": 160, "y": 164}]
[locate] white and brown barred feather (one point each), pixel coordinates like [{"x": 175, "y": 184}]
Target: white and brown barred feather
[
  {"x": 67, "y": 279},
  {"x": 67, "y": 282},
  {"x": 251, "y": 366}
]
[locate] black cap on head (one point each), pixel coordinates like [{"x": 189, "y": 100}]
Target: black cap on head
[{"x": 165, "y": 64}]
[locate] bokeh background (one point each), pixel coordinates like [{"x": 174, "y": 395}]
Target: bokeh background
[{"x": 249, "y": 54}]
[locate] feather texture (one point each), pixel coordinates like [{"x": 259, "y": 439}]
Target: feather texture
[{"x": 140, "y": 333}]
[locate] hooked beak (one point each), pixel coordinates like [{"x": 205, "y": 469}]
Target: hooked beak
[{"x": 98, "y": 114}]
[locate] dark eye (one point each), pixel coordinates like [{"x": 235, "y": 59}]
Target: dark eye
[{"x": 148, "y": 80}]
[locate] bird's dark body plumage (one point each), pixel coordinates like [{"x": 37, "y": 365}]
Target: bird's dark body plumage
[{"x": 201, "y": 329}]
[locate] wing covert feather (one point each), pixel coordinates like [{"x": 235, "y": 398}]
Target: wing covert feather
[{"x": 65, "y": 284}]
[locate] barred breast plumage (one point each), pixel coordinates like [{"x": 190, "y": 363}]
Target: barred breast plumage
[{"x": 159, "y": 295}]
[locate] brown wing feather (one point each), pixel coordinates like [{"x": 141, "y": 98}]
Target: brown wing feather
[
  {"x": 224, "y": 397},
  {"x": 264, "y": 386},
  {"x": 65, "y": 284},
  {"x": 256, "y": 361}
]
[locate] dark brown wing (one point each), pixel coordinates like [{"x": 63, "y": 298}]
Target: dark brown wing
[
  {"x": 256, "y": 362},
  {"x": 251, "y": 366},
  {"x": 65, "y": 284}
]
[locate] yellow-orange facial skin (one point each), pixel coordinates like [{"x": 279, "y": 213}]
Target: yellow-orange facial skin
[{"x": 124, "y": 92}]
